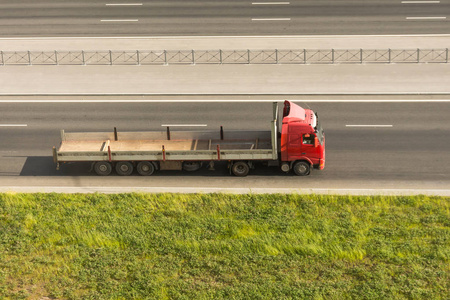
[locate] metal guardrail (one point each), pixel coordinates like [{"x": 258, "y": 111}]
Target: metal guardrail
[{"x": 275, "y": 56}]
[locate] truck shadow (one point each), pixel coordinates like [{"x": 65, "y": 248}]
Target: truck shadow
[{"x": 44, "y": 166}]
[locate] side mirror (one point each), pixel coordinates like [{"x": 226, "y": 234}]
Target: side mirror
[{"x": 316, "y": 142}]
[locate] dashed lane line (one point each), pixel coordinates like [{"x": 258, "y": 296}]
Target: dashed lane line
[
  {"x": 131, "y": 20},
  {"x": 271, "y": 19},
  {"x": 426, "y": 18},
  {"x": 124, "y": 4},
  {"x": 370, "y": 126},
  {"x": 421, "y": 2},
  {"x": 13, "y": 125},
  {"x": 271, "y": 3}
]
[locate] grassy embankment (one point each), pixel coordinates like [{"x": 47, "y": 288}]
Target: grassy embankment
[{"x": 168, "y": 246}]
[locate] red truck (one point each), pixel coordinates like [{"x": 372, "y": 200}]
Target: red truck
[{"x": 299, "y": 146}]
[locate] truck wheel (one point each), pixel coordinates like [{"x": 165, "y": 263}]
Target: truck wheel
[
  {"x": 240, "y": 169},
  {"x": 103, "y": 168},
  {"x": 302, "y": 168},
  {"x": 124, "y": 168},
  {"x": 192, "y": 166},
  {"x": 145, "y": 168}
]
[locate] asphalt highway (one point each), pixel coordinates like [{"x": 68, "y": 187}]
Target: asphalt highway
[
  {"x": 407, "y": 149},
  {"x": 228, "y": 17}
]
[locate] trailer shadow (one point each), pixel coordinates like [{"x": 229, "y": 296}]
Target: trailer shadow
[{"x": 44, "y": 166}]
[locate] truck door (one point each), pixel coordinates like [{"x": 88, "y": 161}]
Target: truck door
[
  {"x": 307, "y": 144},
  {"x": 300, "y": 145}
]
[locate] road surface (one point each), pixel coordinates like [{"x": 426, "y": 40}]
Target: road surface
[
  {"x": 229, "y": 17},
  {"x": 404, "y": 148}
]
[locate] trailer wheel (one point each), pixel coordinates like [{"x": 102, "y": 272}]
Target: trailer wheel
[
  {"x": 192, "y": 166},
  {"x": 124, "y": 168},
  {"x": 103, "y": 168},
  {"x": 145, "y": 168},
  {"x": 240, "y": 169},
  {"x": 302, "y": 168}
]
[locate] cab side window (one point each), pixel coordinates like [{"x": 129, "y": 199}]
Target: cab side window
[{"x": 308, "y": 139}]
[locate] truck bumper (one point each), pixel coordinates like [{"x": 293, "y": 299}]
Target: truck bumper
[{"x": 320, "y": 165}]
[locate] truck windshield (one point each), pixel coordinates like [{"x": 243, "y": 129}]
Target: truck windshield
[{"x": 319, "y": 130}]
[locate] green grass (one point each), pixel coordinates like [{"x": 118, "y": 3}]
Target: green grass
[{"x": 170, "y": 246}]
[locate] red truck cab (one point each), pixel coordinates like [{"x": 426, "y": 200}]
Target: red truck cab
[{"x": 302, "y": 142}]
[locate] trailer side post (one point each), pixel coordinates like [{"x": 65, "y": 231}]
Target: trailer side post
[
  {"x": 168, "y": 133},
  {"x": 274, "y": 132},
  {"x": 55, "y": 157},
  {"x": 109, "y": 153}
]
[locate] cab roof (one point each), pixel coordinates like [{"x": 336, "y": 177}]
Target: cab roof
[{"x": 293, "y": 113}]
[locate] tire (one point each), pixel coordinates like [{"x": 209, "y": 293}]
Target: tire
[
  {"x": 192, "y": 166},
  {"x": 145, "y": 168},
  {"x": 240, "y": 169},
  {"x": 103, "y": 168},
  {"x": 302, "y": 168},
  {"x": 124, "y": 168}
]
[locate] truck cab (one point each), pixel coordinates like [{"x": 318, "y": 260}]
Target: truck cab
[{"x": 302, "y": 143}]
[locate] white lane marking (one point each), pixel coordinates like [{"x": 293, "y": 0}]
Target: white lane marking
[
  {"x": 420, "y": 2},
  {"x": 374, "y": 126},
  {"x": 272, "y": 19},
  {"x": 426, "y": 18},
  {"x": 184, "y": 125},
  {"x": 222, "y": 101},
  {"x": 224, "y": 36},
  {"x": 131, "y": 20},
  {"x": 13, "y": 125},
  {"x": 271, "y": 3},
  {"x": 123, "y": 4}
]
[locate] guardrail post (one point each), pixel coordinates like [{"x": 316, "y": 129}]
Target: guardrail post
[
  {"x": 110, "y": 58},
  {"x": 3, "y": 60},
  {"x": 248, "y": 55},
  {"x": 332, "y": 56},
  {"x": 220, "y": 55},
  {"x": 446, "y": 56},
  {"x": 82, "y": 55},
  {"x": 56, "y": 57},
  {"x": 361, "y": 54},
  {"x": 418, "y": 55},
  {"x": 29, "y": 58},
  {"x": 304, "y": 56},
  {"x": 389, "y": 52},
  {"x": 138, "y": 58},
  {"x": 193, "y": 57},
  {"x": 276, "y": 56},
  {"x": 165, "y": 57}
]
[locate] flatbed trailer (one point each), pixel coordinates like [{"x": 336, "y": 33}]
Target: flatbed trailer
[{"x": 148, "y": 151}]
